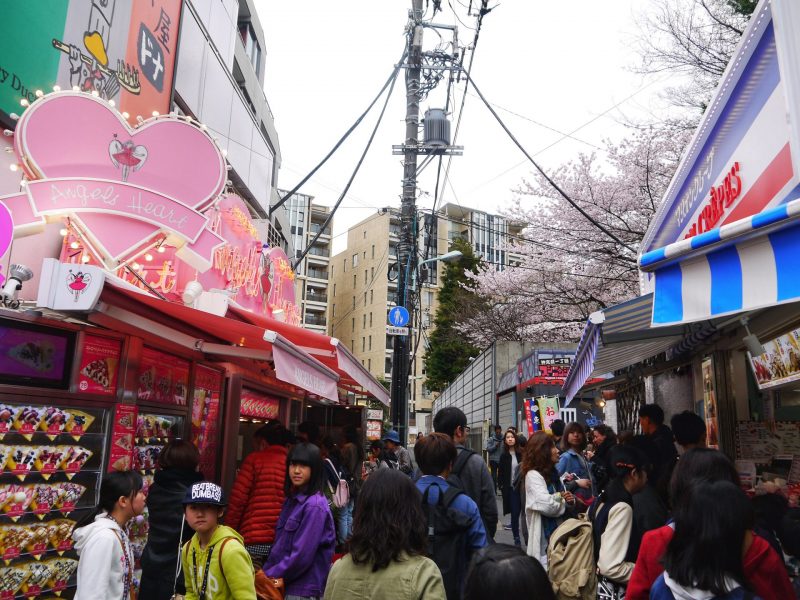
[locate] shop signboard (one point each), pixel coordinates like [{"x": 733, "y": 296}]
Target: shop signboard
[
  {"x": 259, "y": 406},
  {"x": 374, "y": 430},
  {"x": 780, "y": 362},
  {"x": 123, "y": 50},
  {"x": 548, "y": 408},
  {"x": 163, "y": 378},
  {"x": 545, "y": 367},
  {"x": 122, "y": 437},
  {"x": 98, "y": 368},
  {"x": 125, "y": 191}
]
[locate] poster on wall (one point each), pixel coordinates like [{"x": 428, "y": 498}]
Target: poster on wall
[
  {"x": 121, "y": 49},
  {"x": 780, "y": 362},
  {"x": 709, "y": 402},
  {"x": 205, "y": 417},
  {"x": 98, "y": 368},
  {"x": 122, "y": 442},
  {"x": 374, "y": 430},
  {"x": 259, "y": 406},
  {"x": 163, "y": 378}
]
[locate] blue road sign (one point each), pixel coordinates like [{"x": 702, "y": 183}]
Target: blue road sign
[{"x": 398, "y": 316}]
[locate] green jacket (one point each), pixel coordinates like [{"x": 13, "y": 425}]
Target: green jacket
[
  {"x": 411, "y": 578},
  {"x": 231, "y": 575}
]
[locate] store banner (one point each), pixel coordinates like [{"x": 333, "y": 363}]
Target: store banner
[
  {"x": 548, "y": 408},
  {"x": 122, "y": 438},
  {"x": 292, "y": 370},
  {"x": 99, "y": 365},
  {"x": 163, "y": 378},
  {"x": 124, "y": 50}
]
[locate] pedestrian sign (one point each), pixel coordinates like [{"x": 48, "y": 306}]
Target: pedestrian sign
[{"x": 398, "y": 316}]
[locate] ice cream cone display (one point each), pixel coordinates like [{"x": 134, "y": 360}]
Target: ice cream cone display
[
  {"x": 27, "y": 419},
  {"x": 21, "y": 460},
  {"x": 18, "y": 499},
  {"x": 78, "y": 423},
  {"x": 11, "y": 580},
  {"x": 53, "y": 422}
]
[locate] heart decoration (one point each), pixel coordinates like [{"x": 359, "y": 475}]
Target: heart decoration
[{"x": 73, "y": 134}]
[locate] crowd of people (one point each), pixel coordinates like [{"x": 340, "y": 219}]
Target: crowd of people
[{"x": 592, "y": 514}]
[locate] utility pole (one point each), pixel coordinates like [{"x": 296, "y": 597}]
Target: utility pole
[{"x": 407, "y": 246}]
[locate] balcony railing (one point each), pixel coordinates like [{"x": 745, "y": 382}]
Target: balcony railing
[
  {"x": 317, "y": 274},
  {"x": 315, "y": 228},
  {"x": 320, "y": 252},
  {"x": 393, "y": 230},
  {"x": 314, "y": 320},
  {"x": 316, "y": 297}
]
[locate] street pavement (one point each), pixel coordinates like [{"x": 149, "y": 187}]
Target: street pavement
[{"x": 503, "y": 536}]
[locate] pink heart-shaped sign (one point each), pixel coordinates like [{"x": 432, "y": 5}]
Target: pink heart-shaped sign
[{"x": 72, "y": 134}]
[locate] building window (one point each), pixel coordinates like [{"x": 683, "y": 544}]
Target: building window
[
  {"x": 370, "y": 319},
  {"x": 369, "y": 364},
  {"x": 355, "y": 260},
  {"x": 365, "y": 298},
  {"x": 251, "y": 46},
  {"x": 363, "y": 344},
  {"x": 344, "y": 266},
  {"x": 355, "y": 282},
  {"x": 354, "y": 305},
  {"x": 387, "y": 365},
  {"x": 372, "y": 272},
  {"x": 364, "y": 255},
  {"x": 365, "y": 234},
  {"x": 370, "y": 342},
  {"x": 373, "y": 250},
  {"x": 352, "y": 345},
  {"x": 364, "y": 320},
  {"x": 371, "y": 296},
  {"x": 365, "y": 277},
  {"x": 334, "y": 310},
  {"x": 334, "y": 285},
  {"x": 429, "y": 298},
  {"x": 353, "y": 323}
]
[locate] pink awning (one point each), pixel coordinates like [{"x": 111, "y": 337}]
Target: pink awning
[
  {"x": 295, "y": 366},
  {"x": 350, "y": 365}
]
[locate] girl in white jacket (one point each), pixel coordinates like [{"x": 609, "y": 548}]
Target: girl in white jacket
[
  {"x": 543, "y": 504},
  {"x": 105, "y": 565}
]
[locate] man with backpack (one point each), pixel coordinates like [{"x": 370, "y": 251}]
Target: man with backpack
[
  {"x": 455, "y": 528},
  {"x": 392, "y": 442},
  {"x": 469, "y": 473}
]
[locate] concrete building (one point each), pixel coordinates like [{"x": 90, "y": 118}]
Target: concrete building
[
  {"x": 361, "y": 293},
  {"x": 306, "y": 219},
  {"x": 219, "y": 80}
]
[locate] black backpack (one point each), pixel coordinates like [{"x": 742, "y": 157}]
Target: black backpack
[
  {"x": 447, "y": 539},
  {"x": 454, "y": 478}
]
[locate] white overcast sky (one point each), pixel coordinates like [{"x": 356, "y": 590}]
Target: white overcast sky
[{"x": 561, "y": 65}]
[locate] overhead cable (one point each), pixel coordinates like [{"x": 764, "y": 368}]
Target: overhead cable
[{"x": 294, "y": 190}]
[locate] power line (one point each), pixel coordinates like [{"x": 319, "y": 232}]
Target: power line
[
  {"x": 355, "y": 170},
  {"x": 543, "y": 173},
  {"x": 389, "y": 82}
]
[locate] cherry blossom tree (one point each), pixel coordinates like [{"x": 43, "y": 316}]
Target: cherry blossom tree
[{"x": 567, "y": 267}]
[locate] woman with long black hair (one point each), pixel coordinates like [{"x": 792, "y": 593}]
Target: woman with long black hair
[
  {"x": 106, "y": 561},
  {"x": 704, "y": 557},
  {"x": 510, "y": 462},
  {"x": 387, "y": 550},
  {"x": 305, "y": 536}
]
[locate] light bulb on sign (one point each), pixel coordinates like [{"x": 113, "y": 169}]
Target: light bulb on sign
[
  {"x": 56, "y": 88},
  {"x": 63, "y": 232},
  {"x": 126, "y": 115},
  {"x": 75, "y": 88},
  {"x": 13, "y": 167},
  {"x": 135, "y": 266},
  {"x": 85, "y": 258},
  {"x": 74, "y": 245},
  {"x": 112, "y": 103},
  {"x": 39, "y": 93},
  {"x": 155, "y": 113},
  {"x": 148, "y": 257},
  {"x": 161, "y": 249},
  {"x": 24, "y": 102},
  {"x": 95, "y": 93}
]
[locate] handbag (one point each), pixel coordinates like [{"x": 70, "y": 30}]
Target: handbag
[{"x": 268, "y": 588}]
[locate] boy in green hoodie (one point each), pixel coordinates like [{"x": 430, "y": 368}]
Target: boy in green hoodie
[{"x": 215, "y": 564}]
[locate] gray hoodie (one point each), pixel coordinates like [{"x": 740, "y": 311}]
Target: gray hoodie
[
  {"x": 101, "y": 564},
  {"x": 479, "y": 486}
]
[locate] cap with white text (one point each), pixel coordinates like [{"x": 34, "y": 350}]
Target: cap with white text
[{"x": 205, "y": 492}]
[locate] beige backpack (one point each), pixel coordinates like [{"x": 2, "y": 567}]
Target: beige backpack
[{"x": 570, "y": 558}]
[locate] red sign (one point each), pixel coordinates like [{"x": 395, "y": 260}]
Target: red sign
[
  {"x": 722, "y": 197},
  {"x": 163, "y": 378},
  {"x": 98, "y": 367},
  {"x": 259, "y": 406},
  {"x": 121, "y": 455},
  {"x": 205, "y": 416}
]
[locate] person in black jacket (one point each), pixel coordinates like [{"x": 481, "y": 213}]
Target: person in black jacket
[
  {"x": 651, "y": 420},
  {"x": 177, "y": 471},
  {"x": 510, "y": 459}
]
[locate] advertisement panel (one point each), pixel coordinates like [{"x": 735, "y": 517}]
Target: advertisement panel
[
  {"x": 121, "y": 49},
  {"x": 98, "y": 368},
  {"x": 780, "y": 362}
]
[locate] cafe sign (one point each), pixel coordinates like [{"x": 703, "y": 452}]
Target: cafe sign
[{"x": 122, "y": 188}]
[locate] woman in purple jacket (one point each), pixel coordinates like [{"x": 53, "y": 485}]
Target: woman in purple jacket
[{"x": 305, "y": 536}]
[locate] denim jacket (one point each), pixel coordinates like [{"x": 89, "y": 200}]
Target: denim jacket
[
  {"x": 572, "y": 462},
  {"x": 304, "y": 542}
]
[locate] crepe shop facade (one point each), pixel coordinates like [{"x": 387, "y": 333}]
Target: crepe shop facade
[
  {"x": 149, "y": 310},
  {"x": 719, "y": 332}
]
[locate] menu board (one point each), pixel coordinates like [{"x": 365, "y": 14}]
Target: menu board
[
  {"x": 122, "y": 432},
  {"x": 163, "y": 378},
  {"x": 31, "y": 355},
  {"x": 762, "y": 441},
  {"x": 374, "y": 430},
  {"x": 98, "y": 367},
  {"x": 50, "y": 465},
  {"x": 259, "y": 406},
  {"x": 205, "y": 417}
]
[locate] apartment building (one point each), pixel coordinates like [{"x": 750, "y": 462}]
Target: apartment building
[
  {"x": 306, "y": 220},
  {"x": 361, "y": 292},
  {"x": 219, "y": 80}
]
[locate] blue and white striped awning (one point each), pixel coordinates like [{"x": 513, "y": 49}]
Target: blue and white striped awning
[
  {"x": 617, "y": 337},
  {"x": 702, "y": 277}
]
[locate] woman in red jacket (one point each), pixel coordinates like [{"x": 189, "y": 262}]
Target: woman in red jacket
[
  {"x": 257, "y": 495},
  {"x": 763, "y": 568}
]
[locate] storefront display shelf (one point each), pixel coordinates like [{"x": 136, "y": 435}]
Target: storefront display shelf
[{"x": 56, "y": 591}]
